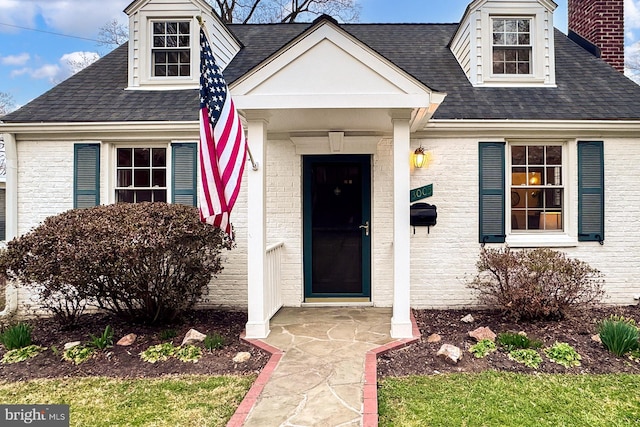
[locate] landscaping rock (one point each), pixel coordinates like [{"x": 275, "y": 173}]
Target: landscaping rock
[
  {"x": 127, "y": 340},
  {"x": 193, "y": 337},
  {"x": 482, "y": 333},
  {"x": 596, "y": 338},
  {"x": 242, "y": 357},
  {"x": 72, "y": 344},
  {"x": 434, "y": 338},
  {"x": 468, "y": 319},
  {"x": 450, "y": 353}
]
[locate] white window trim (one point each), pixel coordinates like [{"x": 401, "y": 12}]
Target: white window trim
[
  {"x": 540, "y": 61},
  {"x": 112, "y": 162},
  {"x": 568, "y": 237},
  {"x": 531, "y": 46},
  {"x": 146, "y": 46}
]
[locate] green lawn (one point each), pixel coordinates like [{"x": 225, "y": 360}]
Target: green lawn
[
  {"x": 172, "y": 401},
  {"x": 502, "y": 399}
]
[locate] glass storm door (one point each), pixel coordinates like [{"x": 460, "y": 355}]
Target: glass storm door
[{"x": 337, "y": 226}]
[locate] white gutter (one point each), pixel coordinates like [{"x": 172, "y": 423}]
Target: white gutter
[
  {"x": 529, "y": 128},
  {"x": 116, "y": 130}
]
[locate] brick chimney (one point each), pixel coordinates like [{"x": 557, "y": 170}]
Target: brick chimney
[{"x": 598, "y": 26}]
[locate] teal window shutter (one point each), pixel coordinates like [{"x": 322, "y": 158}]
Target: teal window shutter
[
  {"x": 86, "y": 175},
  {"x": 184, "y": 173},
  {"x": 492, "y": 187},
  {"x": 590, "y": 191}
]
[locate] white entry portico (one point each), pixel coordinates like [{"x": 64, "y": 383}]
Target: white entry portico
[{"x": 329, "y": 94}]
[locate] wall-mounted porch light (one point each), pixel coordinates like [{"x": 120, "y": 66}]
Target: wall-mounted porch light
[{"x": 419, "y": 157}]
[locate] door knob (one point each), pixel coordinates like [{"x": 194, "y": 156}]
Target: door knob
[{"x": 366, "y": 228}]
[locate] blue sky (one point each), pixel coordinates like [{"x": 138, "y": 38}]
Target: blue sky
[{"x": 31, "y": 62}]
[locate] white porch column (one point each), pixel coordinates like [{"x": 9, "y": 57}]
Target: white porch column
[
  {"x": 401, "y": 326},
  {"x": 258, "y": 322}
]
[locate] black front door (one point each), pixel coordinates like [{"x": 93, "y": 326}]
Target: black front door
[{"x": 337, "y": 226}]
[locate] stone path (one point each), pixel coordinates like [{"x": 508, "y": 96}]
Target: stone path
[{"x": 320, "y": 377}]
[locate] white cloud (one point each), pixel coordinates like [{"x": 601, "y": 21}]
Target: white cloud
[
  {"x": 15, "y": 60},
  {"x": 74, "y": 17},
  {"x": 631, "y": 14},
  {"x": 69, "y": 64}
]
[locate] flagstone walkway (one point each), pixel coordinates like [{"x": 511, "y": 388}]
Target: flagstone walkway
[{"x": 317, "y": 374}]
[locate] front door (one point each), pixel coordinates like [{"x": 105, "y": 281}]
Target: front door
[{"x": 337, "y": 226}]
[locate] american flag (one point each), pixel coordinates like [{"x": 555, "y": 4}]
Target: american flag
[{"x": 223, "y": 149}]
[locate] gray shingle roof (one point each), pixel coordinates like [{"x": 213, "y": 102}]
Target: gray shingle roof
[{"x": 587, "y": 88}]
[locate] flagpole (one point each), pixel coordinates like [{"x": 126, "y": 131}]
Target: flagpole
[{"x": 254, "y": 165}]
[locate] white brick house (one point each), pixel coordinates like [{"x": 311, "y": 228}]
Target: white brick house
[{"x": 533, "y": 141}]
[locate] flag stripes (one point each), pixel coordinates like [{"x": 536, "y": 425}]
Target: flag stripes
[{"x": 223, "y": 148}]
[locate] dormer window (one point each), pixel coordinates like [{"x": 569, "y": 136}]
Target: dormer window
[
  {"x": 502, "y": 43},
  {"x": 511, "y": 46},
  {"x": 171, "y": 50}
]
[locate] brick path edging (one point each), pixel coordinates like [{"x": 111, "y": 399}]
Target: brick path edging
[
  {"x": 241, "y": 414},
  {"x": 370, "y": 409}
]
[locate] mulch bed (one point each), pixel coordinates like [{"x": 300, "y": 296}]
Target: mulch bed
[
  {"x": 421, "y": 359},
  {"x": 125, "y": 362},
  {"x": 416, "y": 359}
]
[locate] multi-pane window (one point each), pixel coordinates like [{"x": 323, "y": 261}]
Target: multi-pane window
[
  {"x": 171, "y": 51},
  {"x": 537, "y": 190},
  {"x": 141, "y": 175},
  {"x": 512, "y": 46}
]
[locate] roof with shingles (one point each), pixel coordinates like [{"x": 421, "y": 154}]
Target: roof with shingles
[{"x": 587, "y": 87}]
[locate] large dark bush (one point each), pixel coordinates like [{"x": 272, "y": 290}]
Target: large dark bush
[
  {"x": 535, "y": 284},
  {"x": 144, "y": 262}
]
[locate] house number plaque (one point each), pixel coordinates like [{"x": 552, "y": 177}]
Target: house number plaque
[{"x": 421, "y": 193}]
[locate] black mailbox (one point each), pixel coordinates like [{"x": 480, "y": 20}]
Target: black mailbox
[{"x": 423, "y": 215}]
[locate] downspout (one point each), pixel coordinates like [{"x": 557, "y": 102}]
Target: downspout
[{"x": 11, "y": 214}]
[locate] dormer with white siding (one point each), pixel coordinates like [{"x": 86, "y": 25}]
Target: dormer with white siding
[
  {"x": 507, "y": 43},
  {"x": 164, "y": 43}
]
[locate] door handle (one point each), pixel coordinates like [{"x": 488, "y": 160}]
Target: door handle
[{"x": 366, "y": 228}]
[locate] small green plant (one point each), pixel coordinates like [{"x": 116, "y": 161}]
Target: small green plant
[
  {"x": 167, "y": 334},
  {"x": 482, "y": 348},
  {"x": 78, "y": 354},
  {"x": 527, "y": 356},
  {"x": 158, "y": 353},
  {"x": 102, "y": 341},
  {"x": 513, "y": 341},
  {"x": 188, "y": 353},
  {"x": 21, "y": 354},
  {"x": 16, "y": 336},
  {"x": 619, "y": 335},
  {"x": 214, "y": 341},
  {"x": 563, "y": 354}
]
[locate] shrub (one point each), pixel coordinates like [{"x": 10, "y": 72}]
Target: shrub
[
  {"x": 158, "y": 353},
  {"x": 563, "y": 354},
  {"x": 16, "y": 336},
  {"x": 214, "y": 341},
  {"x": 188, "y": 353},
  {"x": 512, "y": 341},
  {"x": 482, "y": 348},
  {"x": 21, "y": 354},
  {"x": 619, "y": 335},
  {"x": 78, "y": 354},
  {"x": 526, "y": 356},
  {"x": 144, "y": 262},
  {"x": 535, "y": 284}
]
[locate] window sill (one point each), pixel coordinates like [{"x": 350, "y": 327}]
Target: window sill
[{"x": 541, "y": 241}]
